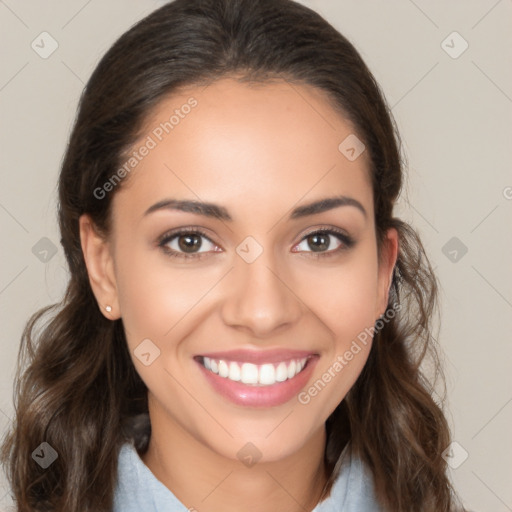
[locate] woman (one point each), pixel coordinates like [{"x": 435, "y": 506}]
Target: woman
[{"x": 245, "y": 318}]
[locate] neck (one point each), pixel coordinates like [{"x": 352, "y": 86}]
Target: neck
[{"x": 205, "y": 481}]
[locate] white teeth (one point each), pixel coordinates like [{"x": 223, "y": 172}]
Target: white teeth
[
  {"x": 223, "y": 369},
  {"x": 292, "y": 368},
  {"x": 234, "y": 371},
  {"x": 264, "y": 375},
  {"x": 281, "y": 372},
  {"x": 267, "y": 374},
  {"x": 249, "y": 373}
]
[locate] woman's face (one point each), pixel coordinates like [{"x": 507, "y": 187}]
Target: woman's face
[{"x": 220, "y": 321}]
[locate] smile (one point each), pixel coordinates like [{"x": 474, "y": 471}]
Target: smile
[
  {"x": 257, "y": 378},
  {"x": 266, "y": 374}
]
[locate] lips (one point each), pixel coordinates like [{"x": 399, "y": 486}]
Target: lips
[
  {"x": 259, "y": 356},
  {"x": 249, "y": 373},
  {"x": 257, "y": 378}
]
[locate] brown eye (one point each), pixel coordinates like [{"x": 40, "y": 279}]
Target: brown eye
[
  {"x": 319, "y": 241},
  {"x": 325, "y": 242},
  {"x": 187, "y": 243},
  {"x": 190, "y": 242}
]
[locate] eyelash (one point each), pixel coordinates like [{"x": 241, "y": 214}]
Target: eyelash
[{"x": 347, "y": 241}]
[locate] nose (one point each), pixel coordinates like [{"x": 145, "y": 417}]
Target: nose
[{"x": 260, "y": 298}]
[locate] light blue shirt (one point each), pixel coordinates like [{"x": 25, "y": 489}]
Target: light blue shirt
[{"x": 138, "y": 490}]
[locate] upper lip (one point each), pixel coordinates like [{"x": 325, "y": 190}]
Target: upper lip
[{"x": 259, "y": 356}]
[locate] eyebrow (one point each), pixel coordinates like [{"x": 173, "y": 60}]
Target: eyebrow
[{"x": 221, "y": 213}]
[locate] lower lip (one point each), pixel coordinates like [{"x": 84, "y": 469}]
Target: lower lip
[{"x": 260, "y": 396}]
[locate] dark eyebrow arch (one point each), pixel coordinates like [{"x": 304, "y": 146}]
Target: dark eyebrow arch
[
  {"x": 197, "y": 207},
  {"x": 326, "y": 204},
  {"x": 219, "y": 212}
]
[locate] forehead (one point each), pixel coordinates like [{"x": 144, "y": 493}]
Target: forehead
[{"x": 245, "y": 144}]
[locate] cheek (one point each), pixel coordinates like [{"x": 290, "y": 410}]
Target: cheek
[
  {"x": 154, "y": 297},
  {"x": 155, "y": 302},
  {"x": 343, "y": 297}
]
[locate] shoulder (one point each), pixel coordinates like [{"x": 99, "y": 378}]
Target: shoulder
[
  {"x": 138, "y": 489},
  {"x": 353, "y": 490}
]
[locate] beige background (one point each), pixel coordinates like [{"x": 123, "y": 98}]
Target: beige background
[{"x": 455, "y": 119}]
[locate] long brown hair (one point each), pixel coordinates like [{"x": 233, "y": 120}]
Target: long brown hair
[{"x": 76, "y": 386}]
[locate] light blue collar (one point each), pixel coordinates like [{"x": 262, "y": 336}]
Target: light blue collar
[{"x": 139, "y": 490}]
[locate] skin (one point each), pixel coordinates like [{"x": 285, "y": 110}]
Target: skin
[{"x": 258, "y": 151}]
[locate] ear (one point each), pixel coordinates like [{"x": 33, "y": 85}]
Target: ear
[
  {"x": 99, "y": 262},
  {"x": 388, "y": 257}
]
